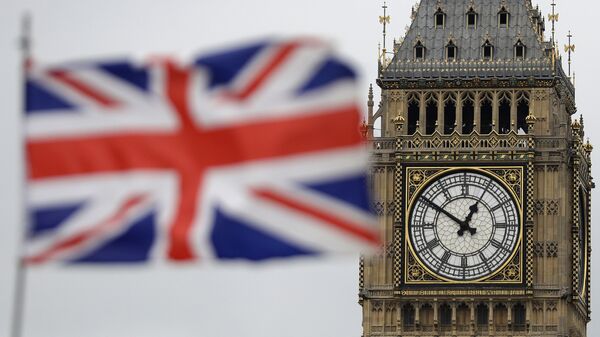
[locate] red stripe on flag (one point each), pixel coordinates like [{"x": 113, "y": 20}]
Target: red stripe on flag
[
  {"x": 84, "y": 89},
  {"x": 84, "y": 236},
  {"x": 337, "y": 222},
  {"x": 193, "y": 151}
]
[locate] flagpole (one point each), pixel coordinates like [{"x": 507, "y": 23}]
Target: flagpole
[{"x": 18, "y": 309}]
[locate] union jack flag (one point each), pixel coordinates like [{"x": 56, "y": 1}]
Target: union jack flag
[{"x": 248, "y": 153}]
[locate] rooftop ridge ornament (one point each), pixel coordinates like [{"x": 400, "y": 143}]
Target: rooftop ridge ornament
[{"x": 569, "y": 49}]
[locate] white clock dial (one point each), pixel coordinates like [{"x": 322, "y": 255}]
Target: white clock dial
[{"x": 464, "y": 226}]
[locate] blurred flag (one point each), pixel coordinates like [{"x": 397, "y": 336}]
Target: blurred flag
[{"x": 248, "y": 153}]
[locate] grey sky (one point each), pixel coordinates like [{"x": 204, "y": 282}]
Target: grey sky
[{"x": 317, "y": 298}]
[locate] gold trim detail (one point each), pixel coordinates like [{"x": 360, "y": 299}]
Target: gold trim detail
[{"x": 415, "y": 272}]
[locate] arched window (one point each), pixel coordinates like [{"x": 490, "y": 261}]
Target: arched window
[
  {"x": 440, "y": 18},
  {"x": 431, "y": 114},
  {"x": 488, "y": 50},
  {"x": 463, "y": 317},
  {"x": 522, "y": 113},
  {"x": 501, "y": 317},
  {"x": 486, "y": 119},
  {"x": 520, "y": 50},
  {"x": 426, "y": 316},
  {"x": 451, "y": 51},
  {"x": 413, "y": 114},
  {"x": 471, "y": 18},
  {"x": 503, "y": 17},
  {"x": 445, "y": 313},
  {"x": 483, "y": 314},
  {"x": 449, "y": 114},
  {"x": 468, "y": 114},
  {"x": 504, "y": 122},
  {"x": 519, "y": 317},
  {"x": 419, "y": 51},
  {"x": 408, "y": 315}
]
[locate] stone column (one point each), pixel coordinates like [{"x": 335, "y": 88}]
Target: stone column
[
  {"x": 422, "y": 113},
  {"x": 417, "y": 313},
  {"x": 491, "y": 318},
  {"x": 459, "y": 116},
  {"x": 453, "y": 306},
  {"x": 477, "y": 116},
  {"x": 441, "y": 117},
  {"x": 513, "y": 111}
]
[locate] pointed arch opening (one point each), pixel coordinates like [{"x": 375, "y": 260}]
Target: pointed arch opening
[
  {"x": 518, "y": 317},
  {"x": 487, "y": 51},
  {"x": 408, "y": 316},
  {"x": 503, "y": 18},
  {"x": 468, "y": 113},
  {"x": 504, "y": 122},
  {"x": 431, "y": 114},
  {"x": 449, "y": 113},
  {"x": 520, "y": 50},
  {"x": 419, "y": 51},
  {"x": 471, "y": 18},
  {"x": 486, "y": 119},
  {"x": 414, "y": 109},
  {"x": 501, "y": 317},
  {"x": 445, "y": 319},
  {"x": 482, "y": 316},
  {"x": 451, "y": 51},
  {"x": 426, "y": 317},
  {"x": 522, "y": 112},
  {"x": 440, "y": 18},
  {"x": 463, "y": 317}
]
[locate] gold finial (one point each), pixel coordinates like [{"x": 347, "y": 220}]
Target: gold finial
[
  {"x": 576, "y": 125},
  {"x": 530, "y": 120},
  {"x": 398, "y": 120},
  {"x": 588, "y": 147},
  {"x": 569, "y": 48},
  {"x": 553, "y": 18}
]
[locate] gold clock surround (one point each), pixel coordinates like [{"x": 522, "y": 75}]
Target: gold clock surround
[{"x": 512, "y": 178}]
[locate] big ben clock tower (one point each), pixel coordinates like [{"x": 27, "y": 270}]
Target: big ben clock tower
[{"x": 481, "y": 179}]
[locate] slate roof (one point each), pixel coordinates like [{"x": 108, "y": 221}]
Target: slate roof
[{"x": 526, "y": 24}]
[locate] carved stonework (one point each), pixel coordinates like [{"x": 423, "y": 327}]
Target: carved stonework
[
  {"x": 552, "y": 249},
  {"x": 538, "y": 249}
]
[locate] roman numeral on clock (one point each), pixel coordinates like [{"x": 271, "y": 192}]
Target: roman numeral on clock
[
  {"x": 433, "y": 243},
  {"x": 446, "y": 257},
  {"x": 498, "y": 245}
]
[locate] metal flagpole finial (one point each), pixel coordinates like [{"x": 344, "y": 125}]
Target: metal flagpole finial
[
  {"x": 569, "y": 49},
  {"x": 25, "y": 43}
]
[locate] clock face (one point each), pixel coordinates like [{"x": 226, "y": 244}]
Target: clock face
[{"x": 464, "y": 226}]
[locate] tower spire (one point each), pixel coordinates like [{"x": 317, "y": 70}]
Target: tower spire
[
  {"x": 569, "y": 49},
  {"x": 384, "y": 20},
  {"x": 553, "y": 18}
]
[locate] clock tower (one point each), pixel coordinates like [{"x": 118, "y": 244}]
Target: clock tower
[{"x": 481, "y": 179}]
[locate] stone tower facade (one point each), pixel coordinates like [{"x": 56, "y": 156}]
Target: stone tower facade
[{"x": 481, "y": 180}]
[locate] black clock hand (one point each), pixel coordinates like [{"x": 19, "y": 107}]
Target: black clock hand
[
  {"x": 466, "y": 224},
  {"x": 440, "y": 209}
]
